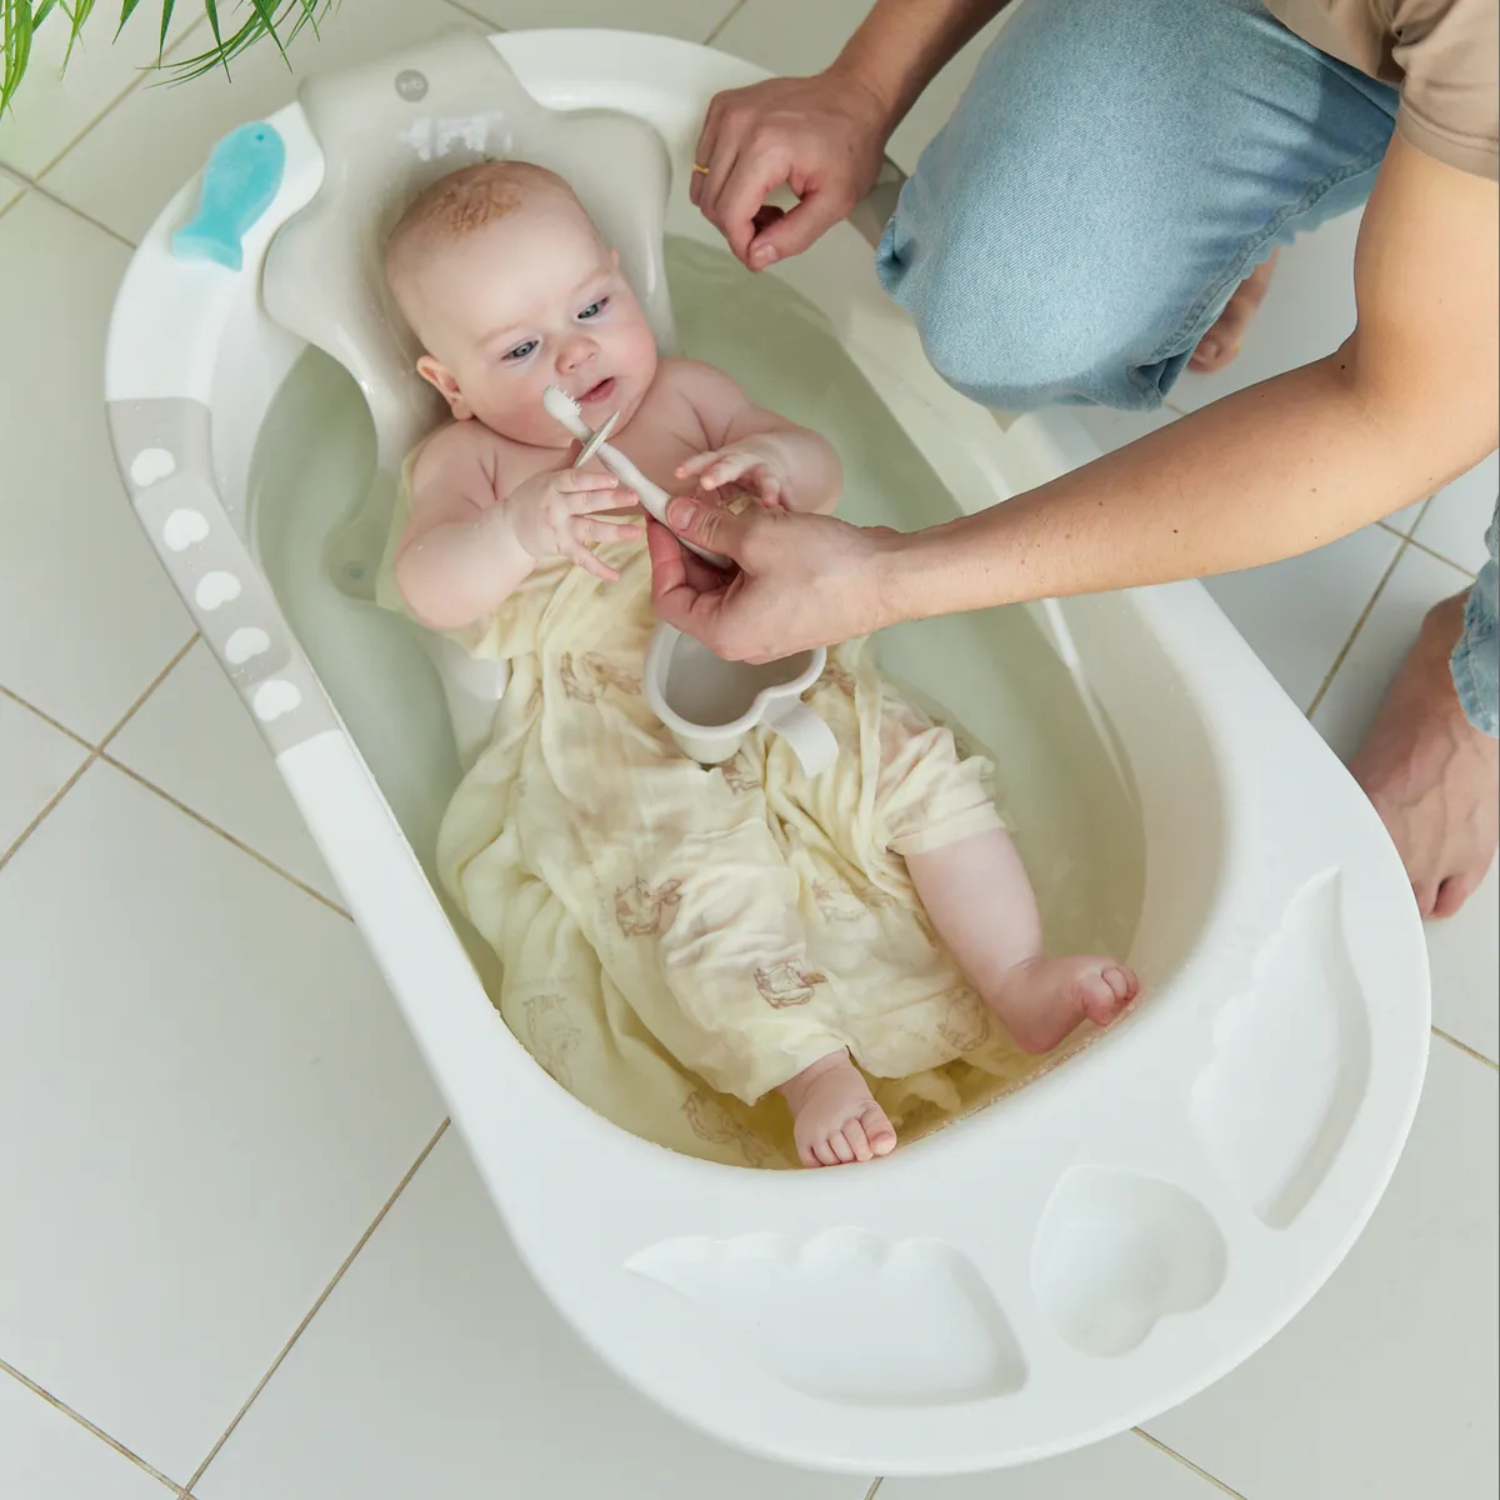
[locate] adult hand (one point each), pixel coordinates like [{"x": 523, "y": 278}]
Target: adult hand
[
  {"x": 802, "y": 580},
  {"x": 822, "y": 137}
]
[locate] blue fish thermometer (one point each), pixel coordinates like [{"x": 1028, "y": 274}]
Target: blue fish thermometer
[{"x": 243, "y": 175}]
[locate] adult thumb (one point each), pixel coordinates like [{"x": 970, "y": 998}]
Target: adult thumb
[
  {"x": 710, "y": 526},
  {"x": 791, "y": 233}
]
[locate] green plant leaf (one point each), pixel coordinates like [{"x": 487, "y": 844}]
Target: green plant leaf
[
  {"x": 19, "y": 24},
  {"x": 281, "y": 20}
]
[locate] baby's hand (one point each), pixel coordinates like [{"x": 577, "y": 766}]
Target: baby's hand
[
  {"x": 743, "y": 465},
  {"x": 549, "y": 516}
]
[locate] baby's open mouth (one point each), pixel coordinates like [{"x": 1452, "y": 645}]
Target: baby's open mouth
[{"x": 601, "y": 392}]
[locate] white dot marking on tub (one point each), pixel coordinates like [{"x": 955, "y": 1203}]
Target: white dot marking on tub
[
  {"x": 246, "y": 642},
  {"x": 151, "y": 464},
  {"x": 274, "y": 698},
  {"x": 215, "y": 589},
  {"x": 183, "y": 528}
]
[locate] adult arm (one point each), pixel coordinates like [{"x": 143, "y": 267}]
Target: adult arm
[
  {"x": 823, "y": 136},
  {"x": 1405, "y": 405}
]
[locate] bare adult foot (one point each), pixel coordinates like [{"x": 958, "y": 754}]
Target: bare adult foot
[
  {"x": 1040, "y": 1001},
  {"x": 1431, "y": 774},
  {"x": 1222, "y": 342},
  {"x": 835, "y": 1117}
]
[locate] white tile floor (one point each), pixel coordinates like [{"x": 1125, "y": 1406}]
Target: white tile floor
[{"x": 209, "y": 1103}]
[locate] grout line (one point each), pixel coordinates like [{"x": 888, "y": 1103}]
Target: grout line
[
  {"x": 151, "y": 687},
  {"x": 84, "y": 1422},
  {"x": 47, "y": 718},
  {"x": 1187, "y": 1463},
  {"x": 142, "y": 71},
  {"x": 224, "y": 834},
  {"x": 491, "y": 26},
  {"x": 327, "y": 1291},
  {"x": 43, "y": 191},
  {"x": 94, "y": 753},
  {"x": 708, "y": 41},
  {"x": 1359, "y": 625},
  {"x": 1478, "y": 1056},
  {"x": 36, "y": 822},
  {"x": 18, "y": 198},
  {"x": 1432, "y": 552}
]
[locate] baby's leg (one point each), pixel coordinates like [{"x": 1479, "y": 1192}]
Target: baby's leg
[
  {"x": 835, "y": 1116},
  {"x": 981, "y": 903}
]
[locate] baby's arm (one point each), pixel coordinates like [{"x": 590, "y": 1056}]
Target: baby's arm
[
  {"x": 475, "y": 534},
  {"x": 785, "y": 464}
]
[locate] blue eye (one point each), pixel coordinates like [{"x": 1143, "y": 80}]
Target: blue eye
[
  {"x": 594, "y": 308},
  {"x": 521, "y": 350}
]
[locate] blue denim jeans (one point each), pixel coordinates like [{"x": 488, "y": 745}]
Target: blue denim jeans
[{"x": 1114, "y": 171}]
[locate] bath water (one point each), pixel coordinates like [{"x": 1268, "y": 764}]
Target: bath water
[{"x": 992, "y": 675}]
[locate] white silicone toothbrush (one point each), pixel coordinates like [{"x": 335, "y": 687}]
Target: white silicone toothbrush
[{"x": 564, "y": 409}]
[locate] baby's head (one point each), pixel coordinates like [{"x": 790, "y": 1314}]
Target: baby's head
[{"x": 508, "y": 286}]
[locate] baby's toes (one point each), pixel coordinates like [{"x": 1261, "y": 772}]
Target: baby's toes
[
  {"x": 822, "y": 1150},
  {"x": 854, "y": 1133},
  {"x": 838, "y": 1143},
  {"x": 878, "y": 1130},
  {"x": 1106, "y": 991}
]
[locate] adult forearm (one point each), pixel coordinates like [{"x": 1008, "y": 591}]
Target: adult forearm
[
  {"x": 902, "y": 45},
  {"x": 1273, "y": 471}
]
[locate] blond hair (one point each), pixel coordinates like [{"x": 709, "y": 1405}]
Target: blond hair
[{"x": 463, "y": 202}]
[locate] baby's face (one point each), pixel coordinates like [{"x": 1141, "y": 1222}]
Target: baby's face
[{"x": 531, "y": 299}]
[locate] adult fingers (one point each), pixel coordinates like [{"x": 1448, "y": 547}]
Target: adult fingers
[
  {"x": 685, "y": 591},
  {"x": 754, "y": 176},
  {"x": 791, "y": 233},
  {"x": 711, "y": 528},
  {"x": 703, "y": 152}
]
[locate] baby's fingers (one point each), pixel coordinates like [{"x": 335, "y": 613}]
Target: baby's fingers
[
  {"x": 727, "y": 468},
  {"x": 584, "y": 481},
  {"x": 590, "y": 531},
  {"x": 586, "y": 560},
  {"x": 697, "y": 464},
  {"x": 581, "y": 502}
]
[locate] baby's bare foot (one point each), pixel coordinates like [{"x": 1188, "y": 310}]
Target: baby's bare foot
[
  {"x": 835, "y": 1116},
  {"x": 1040, "y": 1001}
]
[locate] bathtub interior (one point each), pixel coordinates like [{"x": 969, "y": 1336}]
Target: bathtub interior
[{"x": 995, "y": 675}]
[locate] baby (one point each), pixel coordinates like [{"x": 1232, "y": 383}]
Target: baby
[{"x": 762, "y": 926}]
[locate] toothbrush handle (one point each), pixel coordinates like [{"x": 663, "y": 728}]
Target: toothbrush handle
[{"x": 652, "y": 496}]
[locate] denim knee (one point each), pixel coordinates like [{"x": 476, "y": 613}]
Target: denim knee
[
  {"x": 1002, "y": 328},
  {"x": 1476, "y": 658}
]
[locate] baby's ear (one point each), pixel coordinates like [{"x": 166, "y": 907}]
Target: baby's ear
[{"x": 442, "y": 381}]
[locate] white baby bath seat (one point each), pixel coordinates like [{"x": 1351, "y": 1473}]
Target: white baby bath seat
[{"x": 1053, "y": 1269}]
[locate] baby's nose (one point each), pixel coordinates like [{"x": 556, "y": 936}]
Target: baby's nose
[{"x": 576, "y": 351}]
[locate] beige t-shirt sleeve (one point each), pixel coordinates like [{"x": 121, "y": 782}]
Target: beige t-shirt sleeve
[
  {"x": 1444, "y": 55},
  {"x": 1449, "y": 55}
]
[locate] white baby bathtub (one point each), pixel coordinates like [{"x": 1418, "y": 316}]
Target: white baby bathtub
[{"x": 1068, "y": 1262}]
